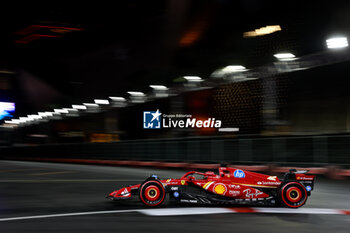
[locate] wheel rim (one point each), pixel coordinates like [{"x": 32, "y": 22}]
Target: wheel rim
[
  {"x": 152, "y": 193},
  {"x": 293, "y": 194}
]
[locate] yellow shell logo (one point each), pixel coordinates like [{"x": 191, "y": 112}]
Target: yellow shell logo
[{"x": 220, "y": 189}]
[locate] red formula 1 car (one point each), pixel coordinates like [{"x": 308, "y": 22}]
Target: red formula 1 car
[{"x": 229, "y": 186}]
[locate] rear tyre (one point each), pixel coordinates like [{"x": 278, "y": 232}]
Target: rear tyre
[
  {"x": 152, "y": 193},
  {"x": 293, "y": 195}
]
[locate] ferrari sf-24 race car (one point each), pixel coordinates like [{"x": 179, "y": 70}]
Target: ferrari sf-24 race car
[{"x": 229, "y": 186}]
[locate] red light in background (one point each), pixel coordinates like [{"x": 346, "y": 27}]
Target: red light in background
[
  {"x": 29, "y": 36},
  {"x": 32, "y": 28}
]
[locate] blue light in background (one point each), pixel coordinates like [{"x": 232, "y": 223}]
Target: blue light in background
[{"x": 6, "y": 108}]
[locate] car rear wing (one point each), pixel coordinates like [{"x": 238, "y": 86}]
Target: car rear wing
[{"x": 301, "y": 177}]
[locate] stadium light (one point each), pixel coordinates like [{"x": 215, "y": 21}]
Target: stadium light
[
  {"x": 35, "y": 117},
  {"x": 235, "y": 68},
  {"x": 119, "y": 99},
  {"x": 80, "y": 107},
  {"x": 101, "y": 101},
  {"x": 11, "y": 122},
  {"x": 228, "y": 70},
  {"x": 159, "y": 87},
  {"x": 61, "y": 111},
  {"x": 25, "y": 119},
  {"x": 284, "y": 56},
  {"x": 193, "y": 78},
  {"x": 337, "y": 42},
  {"x": 136, "y": 93},
  {"x": 70, "y": 109},
  {"x": 42, "y": 114},
  {"x": 90, "y": 105},
  {"x": 14, "y": 121},
  {"x": 228, "y": 129},
  {"x": 263, "y": 31},
  {"x": 45, "y": 114}
]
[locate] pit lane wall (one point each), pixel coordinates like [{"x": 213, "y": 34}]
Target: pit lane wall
[{"x": 303, "y": 151}]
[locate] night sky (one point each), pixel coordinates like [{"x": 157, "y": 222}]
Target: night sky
[{"x": 97, "y": 50}]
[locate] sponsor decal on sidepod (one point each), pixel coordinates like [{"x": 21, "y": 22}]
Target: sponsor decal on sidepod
[{"x": 239, "y": 173}]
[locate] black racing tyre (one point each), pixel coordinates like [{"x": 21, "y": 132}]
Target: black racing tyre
[
  {"x": 293, "y": 195},
  {"x": 152, "y": 193}
]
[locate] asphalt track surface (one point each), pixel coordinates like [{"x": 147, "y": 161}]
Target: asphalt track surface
[{"x": 48, "y": 197}]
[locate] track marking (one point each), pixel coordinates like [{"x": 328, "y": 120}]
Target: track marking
[
  {"x": 202, "y": 210},
  {"x": 298, "y": 211},
  {"x": 22, "y": 170},
  {"x": 65, "y": 215},
  {"x": 191, "y": 211},
  {"x": 51, "y": 173},
  {"x": 243, "y": 210},
  {"x": 347, "y": 212},
  {"x": 184, "y": 211}
]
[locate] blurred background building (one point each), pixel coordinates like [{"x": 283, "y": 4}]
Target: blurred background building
[{"x": 136, "y": 56}]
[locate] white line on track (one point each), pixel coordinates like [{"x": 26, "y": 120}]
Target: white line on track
[
  {"x": 51, "y": 173},
  {"x": 196, "y": 211},
  {"x": 66, "y": 215},
  {"x": 191, "y": 211},
  {"x": 184, "y": 211},
  {"x": 298, "y": 211}
]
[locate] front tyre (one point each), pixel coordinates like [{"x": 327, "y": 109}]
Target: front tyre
[
  {"x": 293, "y": 195},
  {"x": 152, "y": 193}
]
